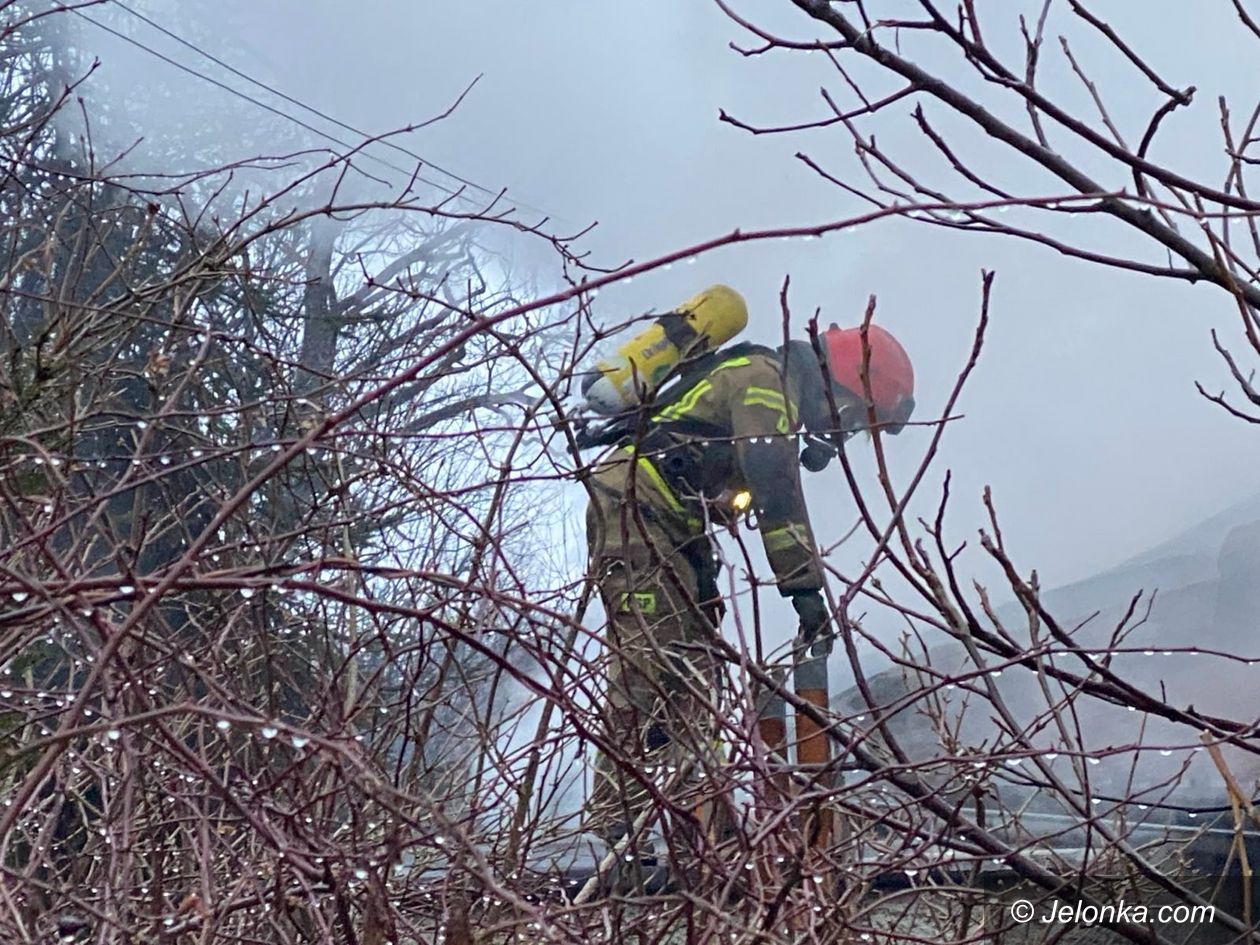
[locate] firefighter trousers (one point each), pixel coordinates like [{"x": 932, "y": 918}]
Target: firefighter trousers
[{"x": 655, "y": 574}]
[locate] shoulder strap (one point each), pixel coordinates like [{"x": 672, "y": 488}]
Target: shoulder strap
[
  {"x": 690, "y": 372},
  {"x": 685, "y": 375}
]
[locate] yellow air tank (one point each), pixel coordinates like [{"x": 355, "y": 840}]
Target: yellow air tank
[{"x": 705, "y": 321}]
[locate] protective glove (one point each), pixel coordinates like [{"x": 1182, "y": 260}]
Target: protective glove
[{"x": 812, "y": 610}]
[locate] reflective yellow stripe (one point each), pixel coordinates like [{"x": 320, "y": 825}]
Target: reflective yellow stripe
[
  {"x": 766, "y": 398},
  {"x": 781, "y": 424},
  {"x": 654, "y": 477},
  {"x": 789, "y": 536},
  {"x": 756, "y": 400},
  {"x": 773, "y": 400},
  {"x": 686, "y": 403},
  {"x": 731, "y": 362}
]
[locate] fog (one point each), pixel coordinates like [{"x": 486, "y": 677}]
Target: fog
[{"x": 1082, "y": 415}]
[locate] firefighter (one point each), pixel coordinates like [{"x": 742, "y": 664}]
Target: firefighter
[{"x": 731, "y": 428}]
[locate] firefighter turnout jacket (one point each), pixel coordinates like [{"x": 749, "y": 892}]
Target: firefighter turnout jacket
[{"x": 729, "y": 429}]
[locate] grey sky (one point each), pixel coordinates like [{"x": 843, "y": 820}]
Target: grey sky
[{"x": 1082, "y": 416}]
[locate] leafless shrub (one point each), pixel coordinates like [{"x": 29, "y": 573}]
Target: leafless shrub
[{"x": 289, "y": 653}]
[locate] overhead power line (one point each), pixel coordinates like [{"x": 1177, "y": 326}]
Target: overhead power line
[
  {"x": 245, "y": 96},
  {"x": 237, "y": 92},
  {"x": 295, "y": 101}
]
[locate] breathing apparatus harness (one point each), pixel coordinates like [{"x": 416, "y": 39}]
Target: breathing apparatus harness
[{"x": 635, "y": 426}]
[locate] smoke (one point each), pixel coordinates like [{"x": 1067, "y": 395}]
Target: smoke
[{"x": 1082, "y": 416}]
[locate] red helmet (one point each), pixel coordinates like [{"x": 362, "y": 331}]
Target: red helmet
[{"x": 891, "y": 375}]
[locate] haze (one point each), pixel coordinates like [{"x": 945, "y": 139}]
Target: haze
[{"x": 1082, "y": 416}]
